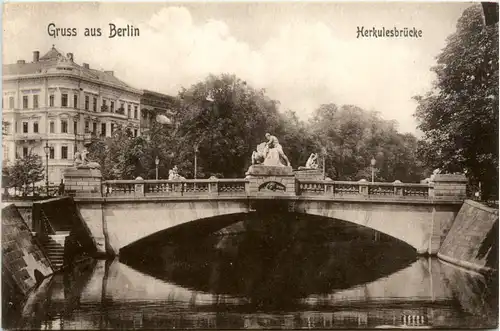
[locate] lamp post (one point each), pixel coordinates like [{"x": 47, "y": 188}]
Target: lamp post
[
  {"x": 373, "y": 162},
  {"x": 323, "y": 151},
  {"x": 46, "y": 149},
  {"x": 195, "y": 159},
  {"x": 157, "y": 162}
]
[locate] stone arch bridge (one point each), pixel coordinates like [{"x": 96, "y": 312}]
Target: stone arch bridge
[{"x": 122, "y": 213}]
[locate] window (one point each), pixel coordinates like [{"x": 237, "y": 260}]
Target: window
[
  {"x": 75, "y": 101},
  {"x": 87, "y": 126},
  {"x": 51, "y": 100},
  {"x": 64, "y": 126},
  {"x": 51, "y": 127},
  {"x": 94, "y": 128},
  {"x": 11, "y": 102},
  {"x": 75, "y": 127},
  {"x": 25, "y": 101},
  {"x": 35, "y": 127},
  {"x": 35, "y": 101},
  {"x": 87, "y": 100},
  {"x": 103, "y": 129},
  {"x": 112, "y": 107},
  {"x": 112, "y": 127},
  {"x": 129, "y": 111},
  {"x": 135, "y": 132},
  {"x": 64, "y": 100},
  {"x": 94, "y": 105},
  {"x": 64, "y": 152},
  {"x": 135, "y": 112},
  {"x": 51, "y": 152},
  {"x": 25, "y": 151},
  {"x": 25, "y": 127}
]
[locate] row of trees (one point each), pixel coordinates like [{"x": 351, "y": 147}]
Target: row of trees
[{"x": 222, "y": 119}]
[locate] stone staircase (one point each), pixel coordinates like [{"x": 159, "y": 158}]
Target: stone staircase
[{"x": 53, "y": 246}]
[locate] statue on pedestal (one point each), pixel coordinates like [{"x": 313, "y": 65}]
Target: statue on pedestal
[
  {"x": 312, "y": 161},
  {"x": 81, "y": 160},
  {"x": 173, "y": 174},
  {"x": 270, "y": 153}
]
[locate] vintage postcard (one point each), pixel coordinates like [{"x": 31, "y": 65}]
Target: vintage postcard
[{"x": 237, "y": 165}]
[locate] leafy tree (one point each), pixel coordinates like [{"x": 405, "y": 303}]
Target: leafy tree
[
  {"x": 459, "y": 116},
  {"x": 351, "y": 137},
  {"x": 225, "y": 119},
  {"x": 25, "y": 172}
]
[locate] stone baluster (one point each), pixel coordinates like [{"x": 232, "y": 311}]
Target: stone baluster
[
  {"x": 363, "y": 187},
  {"x": 398, "y": 188}
]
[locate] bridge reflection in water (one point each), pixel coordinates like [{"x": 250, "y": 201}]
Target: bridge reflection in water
[{"x": 250, "y": 281}]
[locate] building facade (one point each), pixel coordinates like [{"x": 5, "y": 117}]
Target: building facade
[
  {"x": 53, "y": 100},
  {"x": 153, "y": 104}
]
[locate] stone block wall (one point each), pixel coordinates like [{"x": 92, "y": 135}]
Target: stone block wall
[
  {"x": 22, "y": 257},
  {"x": 450, "y": 185},
  {"x": 82, "y": 181},
  {"x": 472, "y": 241},
  {"x": 271, "y": 180}
]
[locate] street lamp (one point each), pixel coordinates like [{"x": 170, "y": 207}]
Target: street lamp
[
  {"x": 323, "y": 151},
  {"x": 373, "y": 162},
  {"x": 46, "y": 149},
  {"x": 195, "y": 158},
  {"x": 157, "y": 162}
]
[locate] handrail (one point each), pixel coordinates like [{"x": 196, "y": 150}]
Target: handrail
[
  {"x": 174, "y": 181},
  {"x": 326, "y": 181},
  {"x": 244, "y": 187}
]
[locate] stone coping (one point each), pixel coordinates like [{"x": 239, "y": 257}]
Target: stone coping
[
  {"x": 481, "y": 206},
  {"x": 229, "y": 197},
  {"x": 465, "y": 264},
  {"x": 449, "y": 178},
  {"x": 263, "y": 170}
]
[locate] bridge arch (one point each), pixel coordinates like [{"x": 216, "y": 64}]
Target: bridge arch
[{"x": 420, "y": 225}]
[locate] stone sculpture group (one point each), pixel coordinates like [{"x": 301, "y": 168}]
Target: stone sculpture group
[{"x": 270, "y": 153}]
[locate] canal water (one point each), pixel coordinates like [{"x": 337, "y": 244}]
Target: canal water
[{"x": 255, "y": 280}]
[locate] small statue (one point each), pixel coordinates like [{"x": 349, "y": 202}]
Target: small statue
[
  {"x": 312, "y": 161},
  {"x": 261, "y": 153},
  {"x": 173, "y": 174},
  {"x": 78, "y": 159},
  {"x": 84, "y": 154}
]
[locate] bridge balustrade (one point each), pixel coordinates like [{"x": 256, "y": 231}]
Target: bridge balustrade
[
  {"x": 241, "y": 187},
  {"x": 195, "y": 187},
  {"x": 346, "y": 188}
]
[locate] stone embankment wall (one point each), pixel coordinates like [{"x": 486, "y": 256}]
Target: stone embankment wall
[
  {"x": 472, "y": 241},
  {"x": 23, "y": 262}
]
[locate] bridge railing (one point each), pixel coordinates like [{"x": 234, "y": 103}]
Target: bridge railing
[
  {"x": 240, "y": 187},
  {"x": 194, "y": 187},
  {"x": 345, "y": 188}
]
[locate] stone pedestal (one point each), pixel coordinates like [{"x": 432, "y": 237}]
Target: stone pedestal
[
  {"x": 271, "y": 180},
  {"x": 82, "y": 181},
  {"x": 309, "y": 174},
  {"x": 449, "y": 186}
]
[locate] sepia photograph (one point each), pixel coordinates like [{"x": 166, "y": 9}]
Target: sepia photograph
[{"x": 250, "y": 165}]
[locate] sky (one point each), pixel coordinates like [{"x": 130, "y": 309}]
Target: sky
[{"x": 302, "y": 54}]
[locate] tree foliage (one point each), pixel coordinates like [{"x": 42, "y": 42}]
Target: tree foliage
[
  {"x": 222, "y": 119},
  {"x": 351, "y": 137},
  {"x": 459, "y": 116},
  {"x": 25, "y": 172}
]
